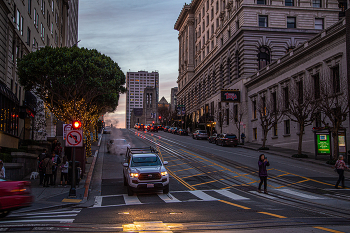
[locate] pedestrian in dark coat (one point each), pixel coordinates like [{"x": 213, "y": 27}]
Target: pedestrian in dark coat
[
  {"x": 41, "y": 158},
  {"x": 340, "y": 166},
  {"x": 47, "y": 166},
  {"x": 263, "y": 163}
]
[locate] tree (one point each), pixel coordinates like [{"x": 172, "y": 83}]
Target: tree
[
  {"x": 74, "y": 83},
  {"x": 270, "y": 113},
  {"x": 301, "y": 106},
  {"x": 164, "y": 112},
  {"x": 332, "y": 99},
  {"x": 219, "y": 115},
  {"x": 236, "y": 116}
]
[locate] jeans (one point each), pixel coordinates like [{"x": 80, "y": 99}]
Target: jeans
[
  {"x": 263, "y": 179},
  {"x": 341, "y": 176}
]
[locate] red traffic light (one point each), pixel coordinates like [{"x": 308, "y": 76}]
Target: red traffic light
[
  {"x": 76, "y": 124},
  {"x": 159, "y": 117}
]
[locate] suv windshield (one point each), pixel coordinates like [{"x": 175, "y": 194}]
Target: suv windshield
[{"x": 145, "y": 161}]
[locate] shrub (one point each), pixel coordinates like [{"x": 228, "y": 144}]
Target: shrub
[{"x": 300, "y": 156}]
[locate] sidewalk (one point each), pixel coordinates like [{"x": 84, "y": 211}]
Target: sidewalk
[{"x": 54, "y": 197}]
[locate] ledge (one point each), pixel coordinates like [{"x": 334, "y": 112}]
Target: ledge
[
  {"x": 274, "y": 137},
  {"x": 11, "y": 166},
  {"x": 286, "y": 135}
]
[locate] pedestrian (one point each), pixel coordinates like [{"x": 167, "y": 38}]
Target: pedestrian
[
  {"x": 2, "y": 170},
  {"x": 242, "y": 138},
  {"x": 41, "y": 158},
  {"x": 263, "y": 162},
  {"x": 55, "y": 163},
  {"x": 64, "y": 171},
  {"x": 340, "y": 166},
  {"x": 58, "y": 149},
  {"x": 53, "y": 145},
  {"x": 47, "y": 167}
]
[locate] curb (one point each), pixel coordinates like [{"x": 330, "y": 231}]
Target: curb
[{"x": 89, "y": 176}]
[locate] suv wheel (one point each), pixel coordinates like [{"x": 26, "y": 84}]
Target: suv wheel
[
  {"x": 130, "y": 192},
  {"x": 166, "y": 189}
]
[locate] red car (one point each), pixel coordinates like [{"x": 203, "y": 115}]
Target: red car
[{"x": 14, "y": 195}]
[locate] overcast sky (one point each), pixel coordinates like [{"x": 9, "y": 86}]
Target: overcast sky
[{"x": 138, "y": 35}]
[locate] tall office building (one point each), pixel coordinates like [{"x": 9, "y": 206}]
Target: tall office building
[
  {"x": 173, "y": 100},
  {"x": 136, "y": 82}
]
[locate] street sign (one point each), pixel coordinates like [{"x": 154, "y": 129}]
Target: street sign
[
  {"x": 74, "y": 138},
  {"x": 323, "y": 144},
  {"x": 66, "y": 128}
]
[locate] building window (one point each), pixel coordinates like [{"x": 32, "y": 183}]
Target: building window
[
  {"x": 289, "y": 2},
  {"x": 237, "y": 63},
  {"x": 286, "y": 97},
  {"x": 18, "y": 20},
  {"x": 316, "y": 86},
  {"x": 263, "y": 110},
  {"x": 21, "y": 26},
  {"x": 287, "y": 127},
  {"x": 227, "y": 116},
  {"x": 263, "y": 21},
  {"x": 217, "y": 22},
  {"x": 316, "y": 3},
  {"x": 29, "y": 7},
  {"x": 34, "y": 17},
  {"x": 28, "y": 36},
  {"x": 235, "y": 112},
  {"x": 212, "y": 44},
  {"x": 263, "y": 57},
  {"x": 319, "y": 24},
  {"x": 336, "y": 79},
  {"x": 274, "y": 101},
  {"x": 300, "y": 92},
  {"x": 291, "y": 22},
  {"x": 261, "y": 2},
  {"x": 222, "y": 41},
  {"x": 255, "y": 133},
  {"x": 212, "y": 29},
  {"x": 275, "y": 131},
  {"x": 254, "y": 109},
  {"x": 199, "y": 18},
  {"x": 212, "y": 13},
  {"x": 207, "y": 19},
  {"x": 217, "y": 6},
  {"x": 53, "y": 5}
]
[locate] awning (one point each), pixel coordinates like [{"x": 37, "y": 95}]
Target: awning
[{"x": 4, "y": 90}]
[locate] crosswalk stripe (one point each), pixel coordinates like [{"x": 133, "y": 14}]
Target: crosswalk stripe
[
  {"x": 231, "y": 195},
  {"x": 168, "y": 198},
  {"x": 40, "y": 220},
  {"x": 202, "y": 195},
  {"x": 131, "y": 200},
  {"x": 292, "y": 192}
]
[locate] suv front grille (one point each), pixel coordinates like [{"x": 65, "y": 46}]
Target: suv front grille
[{"x": 149, "y": 176}]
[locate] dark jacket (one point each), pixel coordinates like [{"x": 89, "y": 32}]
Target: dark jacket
[
  {"x": 262, "y": 168},
  {"x": 47, "y": 166}
]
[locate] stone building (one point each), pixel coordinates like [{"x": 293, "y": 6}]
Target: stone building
[
  {"x": 26, "y": 25},
  {"x": 223, "y": 45},
  {"x": 163, "y": 103},
  {"x": 173, "y": 99}
]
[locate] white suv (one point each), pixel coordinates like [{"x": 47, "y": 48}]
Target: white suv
[{"x": 145, "y": 171}]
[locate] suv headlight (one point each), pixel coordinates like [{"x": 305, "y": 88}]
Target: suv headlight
[
  {"x": 134, "y": 175},
  {"x": 164, "y": 173}
]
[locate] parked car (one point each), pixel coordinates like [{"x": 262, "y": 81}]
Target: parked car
[
  {"x": 166, "y": 128},
  {"x": 227, "y": 140},
  {"x": 212, "y": 139},
  {"x": 160, "y": 127},
  {"x": 141, "y": 127},
  {"x": 170, "y": 130},
  {"x": 14, "y": 195},
  {"x": 145, "y": 171},
  {"x": 136, "y": 126},
  {"x": 182, "y": 132},
  {"x": 200, "y": 134},
  {"x": 107, "y": 130},
  {"x": 117, "y": 146},
  {"x": 152, "y": 128},
  {"x": 174, "y": 130}
]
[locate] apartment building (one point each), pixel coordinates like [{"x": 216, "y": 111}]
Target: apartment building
[
  {"x": 136, "y": 82},
  {"x": 26, "y": 26}
]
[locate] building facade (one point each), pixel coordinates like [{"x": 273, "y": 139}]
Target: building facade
[
  {"x": 136, "y": 82},
  {"x": 173, "y": 99},
  {"x": 222, "y": 43},
  {"x": 26, "y": 25}
]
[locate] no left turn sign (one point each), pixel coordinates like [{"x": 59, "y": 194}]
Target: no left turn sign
[{"x": 74, "y": 138}]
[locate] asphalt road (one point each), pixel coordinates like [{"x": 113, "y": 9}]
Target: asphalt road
[{"x": 212, "y": 188}]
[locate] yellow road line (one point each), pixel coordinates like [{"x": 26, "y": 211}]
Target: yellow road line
[
  {"x": 329, "y": 230},
  {"x": 230, "y": 203},
  {"x": 177, "y": 164},
  {"x": 274, "y": 215},
  {"x": 212, "y": 181},
  {"x": 292, "y": 184},
  {"x": 181, "y": 180},
  {"x": 184, "y": 169},
  {"x": 193, "y": 175},
  {"x": 308, "y": 178}
]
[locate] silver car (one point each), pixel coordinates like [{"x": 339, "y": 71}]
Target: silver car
[{"x": 200, "y": 134}]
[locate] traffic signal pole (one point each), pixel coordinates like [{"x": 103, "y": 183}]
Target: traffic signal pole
[{"x": 73, "y": 191}]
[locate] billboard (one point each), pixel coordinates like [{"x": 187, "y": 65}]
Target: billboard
[
  {"x": 231, "y": 96},
  {"x": 323, "y": 144}
]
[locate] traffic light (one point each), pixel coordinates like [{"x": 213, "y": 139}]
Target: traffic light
[
  {"x": 159, "y": 117},
  {"x": 76, "y": 124}
]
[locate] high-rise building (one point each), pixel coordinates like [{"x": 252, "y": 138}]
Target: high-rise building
[
  {"x": 72, "y": 27},
  {"x": 136, "y": 82},
  {"x": 173, "y": 100},
  {"x": 26, "y": 26}
]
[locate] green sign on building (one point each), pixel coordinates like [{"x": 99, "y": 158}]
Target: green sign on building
[{"x": 323, "y": 144}]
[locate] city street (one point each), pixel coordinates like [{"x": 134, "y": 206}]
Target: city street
[{"x": 212, "y": 188}]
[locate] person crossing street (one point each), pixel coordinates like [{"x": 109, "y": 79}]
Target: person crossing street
[{"x": 340, "y": 166}]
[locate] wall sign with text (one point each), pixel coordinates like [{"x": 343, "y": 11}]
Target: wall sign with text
[{"x": 231, "y": 96}]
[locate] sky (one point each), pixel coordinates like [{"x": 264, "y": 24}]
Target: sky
[{"x": 136, "y": 34}]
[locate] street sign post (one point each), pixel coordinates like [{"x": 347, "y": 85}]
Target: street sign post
[{"x": 74, "y": 138}]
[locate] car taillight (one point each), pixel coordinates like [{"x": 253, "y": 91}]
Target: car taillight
[{"x": 20, "y": 189}]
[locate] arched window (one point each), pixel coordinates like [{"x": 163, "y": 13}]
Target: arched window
[{"x": 263, "y": 57}]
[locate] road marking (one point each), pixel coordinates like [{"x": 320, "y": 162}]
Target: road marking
[
  {"x": 168, "y": 198},
  {"x": 212, "y": 181},
  {"x": 131, "y": 200},
  {"x": 262, "y": 195},
  {"x": 231, "y": 195},
  {"x": 230, "y": 203},
  {"x": 40, "y": 220},
  {"x": 295, "y": 193},
  {"x": 329, "y": 230},
  {"x": 181, "y": 180},
  {"x": 202, "y": 195},
  {"x": 274, "y": 215}
]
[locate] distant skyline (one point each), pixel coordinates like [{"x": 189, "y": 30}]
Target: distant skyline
[{"x": 136, "y": 34}]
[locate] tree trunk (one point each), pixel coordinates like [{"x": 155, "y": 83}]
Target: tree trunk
[
  {"x": 264, "y": 139},
  {"x": 88, "y": 144},
  {"x": 300, "y": 145},
  {"x": 335, "y": 144},
  {"x": 239, "y": 134}
]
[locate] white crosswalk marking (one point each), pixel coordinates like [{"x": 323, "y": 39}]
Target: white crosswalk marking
[
  {"x": 168, "y": 198},
  {"x": 202, "y": 195},
  {"x": 303, "y": 195},
  {"x": 131, "y": 200},
  {"x": 231, "y": 195}
]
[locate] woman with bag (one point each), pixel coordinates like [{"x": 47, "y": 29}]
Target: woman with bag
[
  {"x": 263, "y": 163},
  {"x": 340, "y": 166},
  {"x": 47, "y": 167}
]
